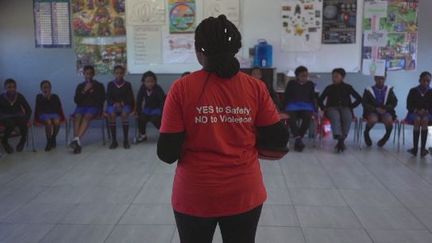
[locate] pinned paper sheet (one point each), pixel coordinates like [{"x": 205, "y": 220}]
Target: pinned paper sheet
[
  {"x": 230, "y": 8},
  {"x": 145, "y": 12},
  {"x": 179, "y": 49},
  {"x": 374, "y": 67}
]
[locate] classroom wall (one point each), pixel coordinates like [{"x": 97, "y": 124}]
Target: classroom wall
[{"x": 20, "y": 60}]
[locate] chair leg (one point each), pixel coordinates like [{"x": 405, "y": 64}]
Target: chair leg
[
  {"x": 403, "y": 134},
  {"x": 359, "y": 135},
  {"x": 66, "y": 133},
  {"x": 399, "y": 135}
]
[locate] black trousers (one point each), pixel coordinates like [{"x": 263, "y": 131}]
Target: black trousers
[
  {"x": 10, "y": 123},
  {"x": 299, "y": 122},
  {"x": 144, "y": 119},
  {"x": 239, "y": 228}
]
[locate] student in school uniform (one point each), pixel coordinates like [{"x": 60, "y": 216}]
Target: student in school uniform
[
  {"x": 90, "y": 99},
  {"x": 419, "y": 105},
  {"x": 379, "y": 103},
  {"x": 339, "y": 106},
  {"x": 120, "y": 102},
  {"x": 211, "y": 123},
  {"x": 49, "y": 112},
  {"x": 150, "y": 102},
  {"x": 14, "y": 112},
  {"x": 256, "y": 72},
  {"x": 300, "y": 103}
]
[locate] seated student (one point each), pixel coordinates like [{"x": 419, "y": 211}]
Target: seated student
[
  {"x": 379, "y": 103},
  {"x": 14, "y": 112},
  {"x": 300, "y": 103},
  {"x": 150, "y": 101},
  {"x": 256, "y": 72},
  {"x": 49, "y": 112},
  {"x": 120, "y": 102},
  {"x": 339, "y": 105},
  {"x": 419, "y": 105},
  {"x": 89, "y": 98}
]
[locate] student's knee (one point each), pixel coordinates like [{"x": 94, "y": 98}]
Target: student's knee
[
  {"x": 425, "y": 122},
  {"x": 125, "y": 116},
  {"x": 88, "y": 117},
  {"x": 372, "y": 119},
  {"x": 56, "y": 122},
  {"x": 48, "y": 123}
]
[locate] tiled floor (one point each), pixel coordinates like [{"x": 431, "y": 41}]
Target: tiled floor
[{"x": 362, "y": 196}]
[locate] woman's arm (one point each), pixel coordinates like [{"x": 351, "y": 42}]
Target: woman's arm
[{"x": 169, "y": 146}]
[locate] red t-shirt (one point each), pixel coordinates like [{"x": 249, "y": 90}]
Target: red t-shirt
[{"x": 218, "y": 173}]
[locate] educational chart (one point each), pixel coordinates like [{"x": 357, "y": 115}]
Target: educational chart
[
  {"x": 145, "y": 12},
  {"x": 339, "y": 21},
  {"x": 179, "y": 49},
  {"x": 99, "y": 33},
  {"x": 390, "y": 35},
  {"x": 231, "y": 9},
  {"x": 52, "y": 23},
  {"x": 301, "y": 25},
  {"x": 182, "y": 16}
]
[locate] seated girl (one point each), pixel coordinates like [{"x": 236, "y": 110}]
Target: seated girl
[
  {"x": 89, "y": 98},
  {"x": 120, "y": 100},
  {"x": 419, "y": 105},
  {"x": 150, "y": 101},
  {"x": 49, "y": 112}
]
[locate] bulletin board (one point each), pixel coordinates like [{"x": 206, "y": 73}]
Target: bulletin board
[{"x": 160, "y": 34}]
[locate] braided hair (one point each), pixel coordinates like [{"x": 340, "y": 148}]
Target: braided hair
[{"x": 219, "y": 40}]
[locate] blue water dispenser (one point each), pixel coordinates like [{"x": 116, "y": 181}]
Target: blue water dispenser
[{"x": 263, "y": 54}]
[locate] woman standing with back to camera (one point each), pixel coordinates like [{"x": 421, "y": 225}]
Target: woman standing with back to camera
[{"x": 216, "y": 122}]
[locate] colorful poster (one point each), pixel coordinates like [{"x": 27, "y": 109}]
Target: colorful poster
[
  {"x": 182, "y": 16},
  {"x": 145, "y": 12},
  {"x": 390, "y": 34},
  {"x": 52, "y": 23},
  {"x": 339, "y": 21},
  {"x": 301, "y": 25},
  {"x": 99, "y": 33},
  {"x": 179, "y": 49},
  {"x": 231, "y": 9}
]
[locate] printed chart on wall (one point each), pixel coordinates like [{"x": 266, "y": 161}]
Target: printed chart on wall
[
  {"x": 301, "y": 25},
  {"x": 52, "y": 23},
  {"x": 339, "y": 21},
  {"x": 145, "y": 19},
  {"x": 230, "y": 8},
  {"x": 182, "y": 16},
  {"x": 390, "y": 36},
  {"x": 99, "y": 33}
]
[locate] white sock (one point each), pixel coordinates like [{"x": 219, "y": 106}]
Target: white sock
[{"x": 77, "y": 140}]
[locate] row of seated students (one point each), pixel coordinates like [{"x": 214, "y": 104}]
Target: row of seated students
[
  {"x": 90, "y": 97},
  {"x": 301, "y": 102},
  {"x": 339, "y": 99}
]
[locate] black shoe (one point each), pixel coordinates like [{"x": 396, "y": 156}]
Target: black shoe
[
  {"x": 299, "y": 145},
  {"x": 53, "y": 142},
  {"x": 126, "y": 144},
  {"x": 78, "y": 149},
  {"x": 367, "y": 139},
  {"x": 8, "y": 149},
  {"x": 113, "y": 145},
  {"x": 382, "y": 142},
  {"x": 413, "y": 151},
  {"x": 141, "y": 138},
  {"x": 424, "y": 152},
  {"x": 20, "y": 146},
  {"x": 74, "y": 145},
  {"x": 48, "y": 146}
]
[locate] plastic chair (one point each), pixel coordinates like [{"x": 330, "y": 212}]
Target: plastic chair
[
  {"x": 63, "y": 121},
  {"x": 355, "y": 120}
]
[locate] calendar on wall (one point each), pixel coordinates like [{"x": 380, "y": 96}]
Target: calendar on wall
[{"x": 52, "y": 23}]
